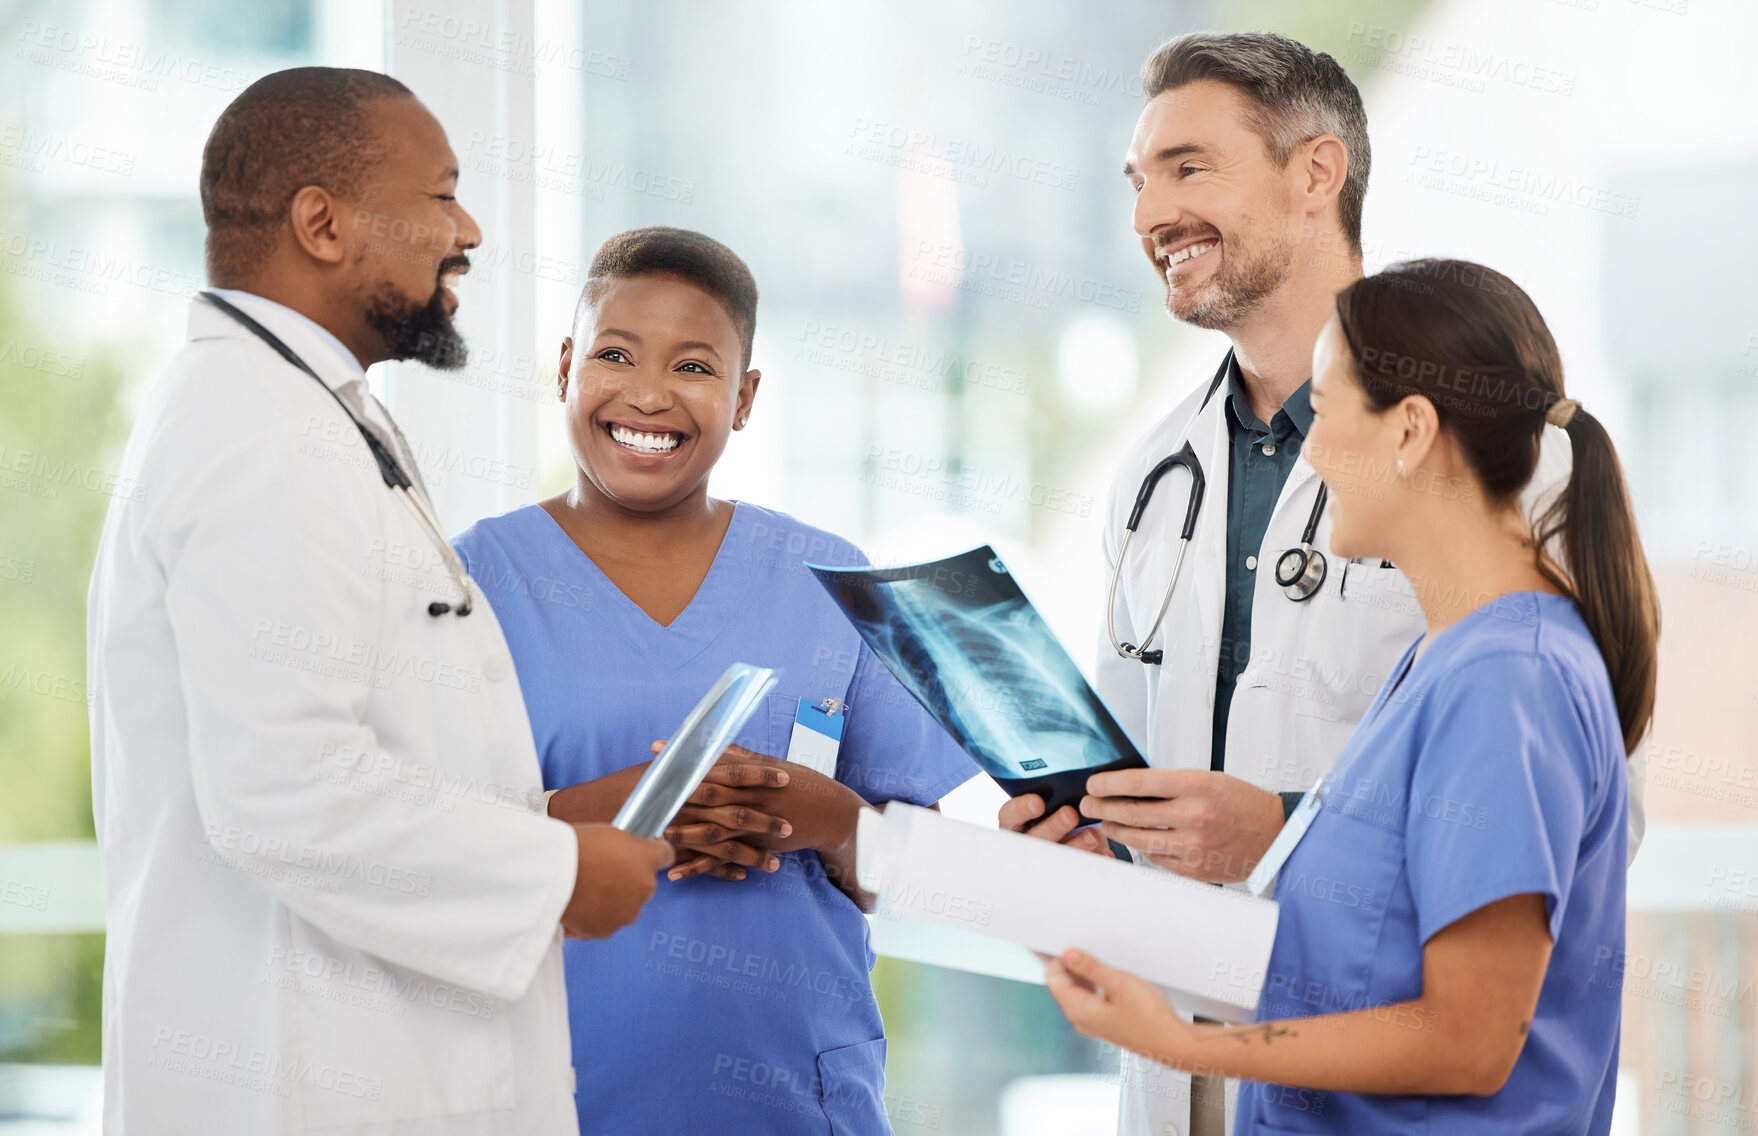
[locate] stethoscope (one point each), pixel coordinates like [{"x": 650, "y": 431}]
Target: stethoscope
[
  {"x": 389, "y": 469},
  {"x": 1300, "y": 572}
]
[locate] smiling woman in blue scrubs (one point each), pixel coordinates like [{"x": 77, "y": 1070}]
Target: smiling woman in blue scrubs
[
  {"x": 740, "y": 1001},
  {"x": 1450, "y": 950}
]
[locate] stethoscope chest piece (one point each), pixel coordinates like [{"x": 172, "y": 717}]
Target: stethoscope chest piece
[{"x": 1300, "y": 572}]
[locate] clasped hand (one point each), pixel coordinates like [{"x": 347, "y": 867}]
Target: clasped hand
[{"x": 748, "y": 808}]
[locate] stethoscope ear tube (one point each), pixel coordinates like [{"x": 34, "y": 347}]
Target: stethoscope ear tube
[{"x": 1186, "y": 458}]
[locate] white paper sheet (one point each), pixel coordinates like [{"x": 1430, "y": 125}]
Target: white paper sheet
[{"x": 1207, "y": 947}]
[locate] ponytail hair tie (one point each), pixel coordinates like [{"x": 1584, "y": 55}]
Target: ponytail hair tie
[{"x": 1562, "y": 412}]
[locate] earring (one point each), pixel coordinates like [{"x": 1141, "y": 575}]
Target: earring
[
  {"x": 1401, "y": 471},
  {"x": 742, "y": 420}
]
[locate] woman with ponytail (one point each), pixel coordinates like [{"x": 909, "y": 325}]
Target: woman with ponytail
[{"x": 1450, "y": 951}]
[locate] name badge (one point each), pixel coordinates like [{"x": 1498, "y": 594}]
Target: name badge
[
  {"x": 1283, "y": 846},
  {"x": 817, "y": 735}
]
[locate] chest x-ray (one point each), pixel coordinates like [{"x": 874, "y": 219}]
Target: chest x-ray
[{"x": 961, "y": 636}]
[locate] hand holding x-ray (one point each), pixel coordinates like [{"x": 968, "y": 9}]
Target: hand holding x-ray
[
  {"x": 1025, "y": 814},
  {"x": 1199, "y": 823}
]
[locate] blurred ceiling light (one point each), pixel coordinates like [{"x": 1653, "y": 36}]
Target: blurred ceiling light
[
  {"x": 930, "y": 246},
  {"x": 1095, "y": 362}
]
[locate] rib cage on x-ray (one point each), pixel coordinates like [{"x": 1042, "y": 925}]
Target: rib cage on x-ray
[
  {"x": 964, "y": 640},
  {"x": 988, "y": 666}
]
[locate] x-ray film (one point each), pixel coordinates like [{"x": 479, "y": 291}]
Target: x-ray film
[
  {"x": 961, "y": 637},
  {"x": 693, "y": 749}
]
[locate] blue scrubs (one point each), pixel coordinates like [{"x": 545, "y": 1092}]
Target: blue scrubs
[
  {"x": 728, "y": 1006},
  {"x": 1493, "y": 768}
]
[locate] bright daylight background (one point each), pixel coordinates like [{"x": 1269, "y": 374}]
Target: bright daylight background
[{"x": 952, "y": 355}]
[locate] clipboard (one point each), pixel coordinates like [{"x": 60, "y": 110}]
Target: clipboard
[
  {"x": 693, "y": 749},
  {"x": 1207, "y": 948}
]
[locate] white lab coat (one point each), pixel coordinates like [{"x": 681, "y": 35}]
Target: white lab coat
[
  {"x": 332, "y": 895},
  {"x": 1315, "y": 666}
]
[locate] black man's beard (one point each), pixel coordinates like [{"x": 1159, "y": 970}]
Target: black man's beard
[{"x": 420, "y": 331}]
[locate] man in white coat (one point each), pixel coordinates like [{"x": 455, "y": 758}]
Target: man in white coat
[
  {"x": 335, "y": 900},
  {"x": 1249, "y": 164}
]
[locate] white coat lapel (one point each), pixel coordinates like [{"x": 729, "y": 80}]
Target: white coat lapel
[
  {"x": 1297, "y": 477},
  {"x": 208, "y": 322}
]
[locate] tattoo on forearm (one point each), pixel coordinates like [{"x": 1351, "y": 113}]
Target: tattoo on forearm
[{"x": 1266, "y": 1032}]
